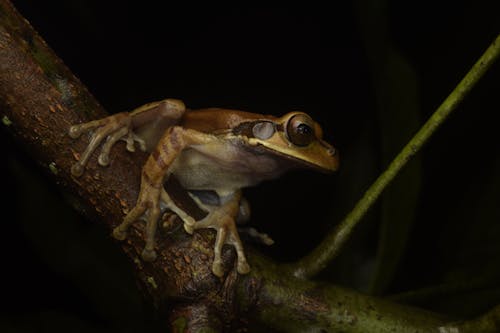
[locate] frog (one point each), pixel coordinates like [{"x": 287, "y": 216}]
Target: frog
[{"x": 212, "y": 149}]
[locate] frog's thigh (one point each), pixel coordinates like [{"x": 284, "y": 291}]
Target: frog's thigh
[
  {"x": 172, "y": 143},
  {"x": 153, "y": 175}
]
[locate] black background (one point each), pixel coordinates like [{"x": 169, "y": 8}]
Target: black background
[{"x": 61, "y": 272}]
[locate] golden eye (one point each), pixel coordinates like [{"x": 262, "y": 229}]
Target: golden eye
[{"x": 300, "y": 130}]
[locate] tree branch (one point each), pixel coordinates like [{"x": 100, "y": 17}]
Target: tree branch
[{"x": 40, "y": 99}]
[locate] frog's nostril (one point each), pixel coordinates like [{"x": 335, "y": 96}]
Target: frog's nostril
[{"x": 332, "y": 151}]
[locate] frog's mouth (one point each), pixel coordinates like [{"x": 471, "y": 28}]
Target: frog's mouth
[{"x": 289, "y": 161}]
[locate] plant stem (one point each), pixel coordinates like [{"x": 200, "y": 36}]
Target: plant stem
[{"x": 330, "y": 247}]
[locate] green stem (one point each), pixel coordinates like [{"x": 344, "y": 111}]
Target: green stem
[{"x": 330, "y": 247}]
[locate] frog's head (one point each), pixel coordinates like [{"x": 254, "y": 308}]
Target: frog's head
[{"x": 296, "y": 136}]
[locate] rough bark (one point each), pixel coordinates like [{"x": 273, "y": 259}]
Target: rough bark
[{"x": 40, "y": 98}]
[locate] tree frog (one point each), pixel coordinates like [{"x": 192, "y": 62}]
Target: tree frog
[{"x": 214, "y": 149}]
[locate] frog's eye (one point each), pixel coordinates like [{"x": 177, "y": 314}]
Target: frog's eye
[
  {"x": 300, "y": 130},
  {"x": 263, "y": 130}
]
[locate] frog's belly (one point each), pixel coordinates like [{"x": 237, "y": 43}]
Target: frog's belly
[{"x": 223, "y": 167}]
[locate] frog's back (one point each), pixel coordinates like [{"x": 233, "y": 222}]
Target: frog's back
[{"x": 213, "y": 120}]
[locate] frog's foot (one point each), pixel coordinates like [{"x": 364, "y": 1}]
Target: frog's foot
[
  {"x": 111, "y": 129},
  {"x": 148, "y": 204},
  {"x": 258, "y": 236},
  {"x": 131, "y": 139},
  {"x": 227, "y": 233},
  {"x": 170, "y": 204}
]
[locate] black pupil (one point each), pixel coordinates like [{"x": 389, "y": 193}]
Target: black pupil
[
  {"x": 304, "y": 129},
  {"x": 299, "y": 130}
]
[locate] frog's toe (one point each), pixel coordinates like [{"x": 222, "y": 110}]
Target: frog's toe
[
  {"x": 189, "y": 228},
  {"x": 103, "y": 159},
  {"x": 77, "y": 169},
  {"x": 119, "y": 233},
  {"x": 148, "y": 255},
  {"x": 75, "y": 131},
  {"x": 217, "y": 268},
  {"x": 243, "y": 267},
  {"x": 132, "y": 139}
]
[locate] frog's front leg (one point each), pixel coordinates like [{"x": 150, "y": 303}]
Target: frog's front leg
[
  {"x": 151, "y": 118},
  {"x": 111, "y": 128},
  {"x": 222, "y": 218},
  {"x": 154, "y": 174}
]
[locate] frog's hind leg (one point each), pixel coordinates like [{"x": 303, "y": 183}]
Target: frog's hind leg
[
  {"x": 154, "y": 174},
  {"x": 149, "y": 204},
  {"x": 222, "y": 219}
]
